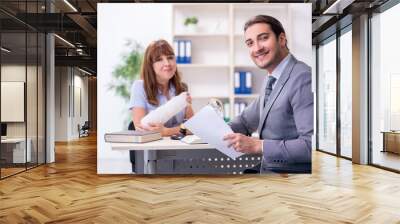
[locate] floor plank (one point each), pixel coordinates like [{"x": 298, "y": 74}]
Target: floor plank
[{"x": 70, "y": 191}]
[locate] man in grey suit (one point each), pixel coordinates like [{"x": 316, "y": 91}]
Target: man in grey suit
[{"x": 283, "y": 113}]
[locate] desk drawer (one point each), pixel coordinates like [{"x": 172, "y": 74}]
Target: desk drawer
[
  {"x": 15, "y": 152},
  {"x": 392, "y": 142}
]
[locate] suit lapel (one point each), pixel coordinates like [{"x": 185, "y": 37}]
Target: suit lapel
[{"x": 275, "y": 92}]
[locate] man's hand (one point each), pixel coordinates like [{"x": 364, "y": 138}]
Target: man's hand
[{"x": 244, "y": 144}]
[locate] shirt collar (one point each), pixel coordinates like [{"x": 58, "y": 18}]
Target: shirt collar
[
  {"x": 171, "y": 90},
  {"x": 281, "y": 66}
]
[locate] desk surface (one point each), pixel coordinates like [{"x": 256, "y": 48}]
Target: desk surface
[
  {"x": 390, "y": 132},
  {"x": 13, "y": 140},
  {"x": 164, "y": 144}
]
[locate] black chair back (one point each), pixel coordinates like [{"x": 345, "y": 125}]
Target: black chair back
[
  {"x": 86, "y": 125},
  {"x": 131, "y": 127}
]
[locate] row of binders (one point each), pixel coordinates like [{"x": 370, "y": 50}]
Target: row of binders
[
  {"x": 243, "y": 83},
  {"x": 226, "y": 111},
  {"x": 183, "y": 51},
  {"x": 238, "y": 109}
]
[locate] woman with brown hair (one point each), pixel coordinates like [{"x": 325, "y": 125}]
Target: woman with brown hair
[{"x": 160, "y": 81}]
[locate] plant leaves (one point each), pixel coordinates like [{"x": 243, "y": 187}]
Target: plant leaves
[{"x": 129, "y": 70}]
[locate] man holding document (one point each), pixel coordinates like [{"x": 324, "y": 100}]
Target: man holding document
[{"x": 283, "y": 113}]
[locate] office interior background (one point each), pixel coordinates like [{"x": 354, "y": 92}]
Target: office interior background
[{"x": 49, "y": 99}]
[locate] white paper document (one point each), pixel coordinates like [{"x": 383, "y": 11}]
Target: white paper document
[{"x": 211, "y": 128}]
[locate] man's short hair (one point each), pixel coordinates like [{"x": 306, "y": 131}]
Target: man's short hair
[{"x": 275, "y": 25}]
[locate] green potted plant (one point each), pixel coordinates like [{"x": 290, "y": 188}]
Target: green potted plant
[
  {"x": 126, "y": 72},
  {"x": 191, "y": 24}
]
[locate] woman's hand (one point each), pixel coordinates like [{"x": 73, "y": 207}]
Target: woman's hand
[
  {"x": 189, "y": 111},
  {"x": 156, "y": 127},
  {"x": 139, "y": 127}
]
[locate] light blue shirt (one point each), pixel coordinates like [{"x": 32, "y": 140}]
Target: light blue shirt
[
  {"x": 279, "y": 69},
  {"x": 139, "y": 99}
]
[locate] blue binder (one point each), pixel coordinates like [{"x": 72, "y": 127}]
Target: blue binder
[
  {"x": 176, "y": 51},
  {"x": 237, "y": 82},
  {"x": 248, "y": 83},
  {"x": 181, "y": 51},
  {"x": 188, "y": 52},
  {"x": 242, "y": 82}
]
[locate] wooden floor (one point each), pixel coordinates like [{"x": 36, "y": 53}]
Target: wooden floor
[
  {"x": 387, "y": 159},
  {"x": 10, "y": 171},
  {"x": 70, "y": 191}
]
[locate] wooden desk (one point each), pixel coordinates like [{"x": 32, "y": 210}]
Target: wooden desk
[
  {"x": 391, "y": 141},
  {"x": 165, "y": 143},
  {"x": 19, "y": 155},
  {"x": 168, "y": 156}
]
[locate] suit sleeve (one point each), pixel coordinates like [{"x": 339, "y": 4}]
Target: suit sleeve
[
  {"x": 296, "y": 150},
  {"x": 247, "y": 122}
]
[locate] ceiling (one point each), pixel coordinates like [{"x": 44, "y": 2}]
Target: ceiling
[{"x": 76, "y": 22}]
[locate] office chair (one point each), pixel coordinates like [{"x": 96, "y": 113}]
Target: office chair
[{"x": 84, "y": 129}]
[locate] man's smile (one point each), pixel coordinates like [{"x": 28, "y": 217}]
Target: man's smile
[{"x": 261, "y": 56}]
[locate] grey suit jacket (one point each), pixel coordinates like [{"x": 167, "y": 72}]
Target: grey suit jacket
[{"x": 286, "y": 122}]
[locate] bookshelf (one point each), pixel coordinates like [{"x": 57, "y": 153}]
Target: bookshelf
[{"x": 218, "y": 49}]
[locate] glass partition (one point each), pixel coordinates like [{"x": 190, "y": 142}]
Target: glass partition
[
  {"x": 327, "y": 96},
  {"x": 385, "y": 89},
  {"x": 346, "y": 93},
  {"x": 13, "y": 103},
  {"x": 32, "y": 96},
  {"x": 22, "y": 88}
]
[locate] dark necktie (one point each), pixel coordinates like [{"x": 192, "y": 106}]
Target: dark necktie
[{"x": 268, "y": 88}]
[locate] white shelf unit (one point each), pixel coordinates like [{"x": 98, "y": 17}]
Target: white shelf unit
[
  {"x": 218, "y": 49},
  {"x": 246, "y": 96}
]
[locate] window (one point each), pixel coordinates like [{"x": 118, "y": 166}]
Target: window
[
  {"x": 385, "y": 89},
  {"x": 22, "y": 76},
  {"x": 327, "y": 96},
  {"x": 346, "y": 92}
]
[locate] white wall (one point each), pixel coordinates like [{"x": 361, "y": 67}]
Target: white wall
[
  {"x": 12, "y": 101},
  {"x": 16, "y": 73},
  {"x": 50, "y": 95},
  {"x": 61, "y": 103},
  {"x": 33, "y": 126},
  {"x": 300, "y": 38},
  {"x": 79, "y": 117},
  {"x": 67, "y": 81},
  {"x": 116, "y": 24}
]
